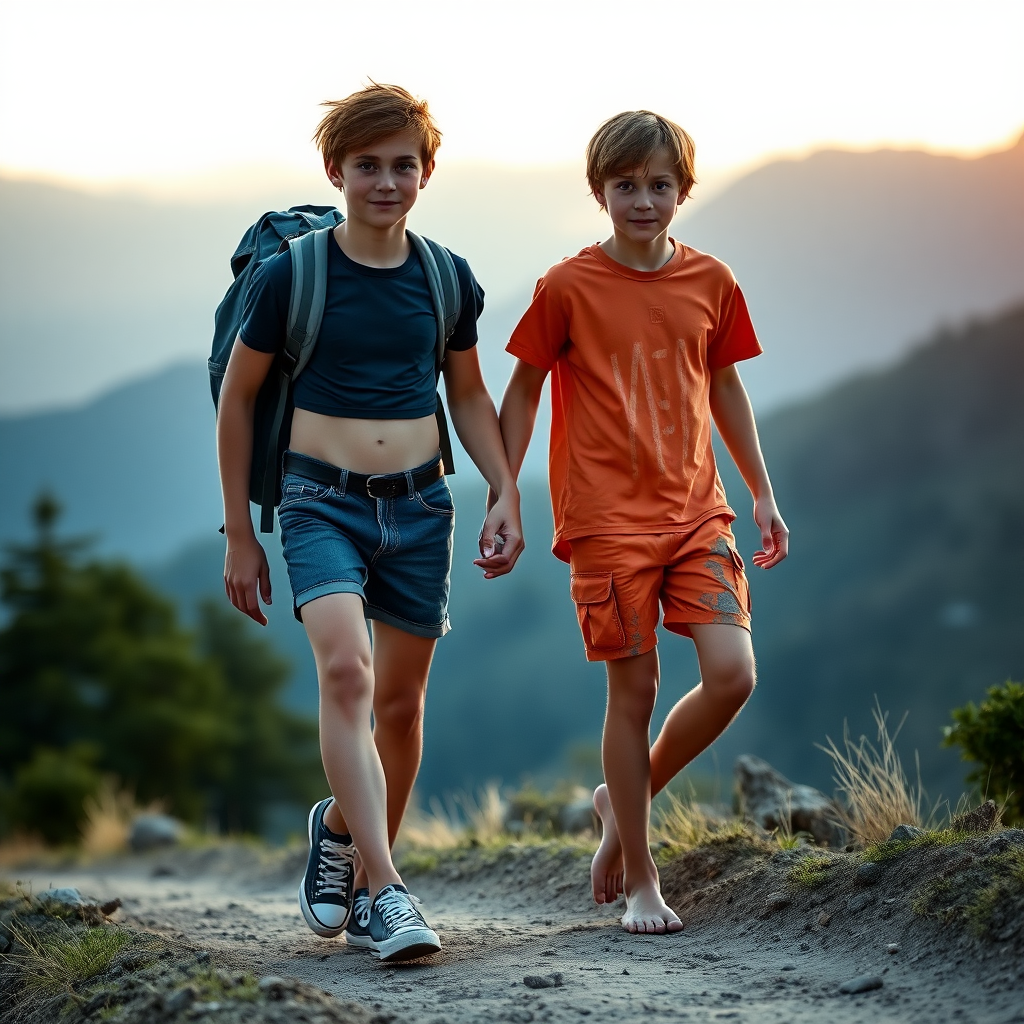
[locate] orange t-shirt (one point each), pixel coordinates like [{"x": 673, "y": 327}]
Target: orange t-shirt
[{"x": 631, "y": 354}]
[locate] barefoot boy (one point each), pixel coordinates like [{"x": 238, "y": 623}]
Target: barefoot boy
[{"x": 641, "y": 335}]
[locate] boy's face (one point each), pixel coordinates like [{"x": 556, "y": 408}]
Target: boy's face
[
  {"x": 642, "y": 202},
  {"x": 382, "y": 180}
]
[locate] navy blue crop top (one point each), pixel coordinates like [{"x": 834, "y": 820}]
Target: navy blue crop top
[{"x": 375, "y": 355}]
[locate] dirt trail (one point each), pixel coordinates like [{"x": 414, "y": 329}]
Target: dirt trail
[{"x": 750, "y": 955}]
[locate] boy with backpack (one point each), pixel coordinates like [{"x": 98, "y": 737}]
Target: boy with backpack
[
  {"x": 641, "y": 335},
  {"x": 342, "y": 335}
]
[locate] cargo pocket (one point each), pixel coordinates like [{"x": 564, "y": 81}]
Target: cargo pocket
[{"x": 597, "y": 611}]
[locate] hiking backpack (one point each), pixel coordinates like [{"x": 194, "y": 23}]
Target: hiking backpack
[{"x": 305, "y": 231}]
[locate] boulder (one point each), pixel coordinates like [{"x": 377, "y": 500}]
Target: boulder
[
  {"x": 152, "y": 831},
  {"x": 982, "y": 819},
  {"x": 768, "y": 798},
  {"x": 579, "y": 815}
]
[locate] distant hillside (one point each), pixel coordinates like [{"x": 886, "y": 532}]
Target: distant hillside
[{"x": 847, "y": 259}]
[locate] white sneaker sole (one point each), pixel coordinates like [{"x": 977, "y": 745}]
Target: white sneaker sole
[
  {"x": 409, "y": 944},
  {"x": 361, "y": 941},
  {"x": 321, "y": 929}
]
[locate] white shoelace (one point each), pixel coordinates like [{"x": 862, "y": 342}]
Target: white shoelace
[
  {"x": 398, "y": 911},
  {"x": 336, "y": 863}
]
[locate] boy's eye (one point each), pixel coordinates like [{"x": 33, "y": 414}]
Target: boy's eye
[
  {"x": 405, "y": 167},
  {"x": 624, "y": 186},
  {"x": 366, "y": 166}
]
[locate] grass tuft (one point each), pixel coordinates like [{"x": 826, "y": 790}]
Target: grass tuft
[
  {"x": 57, "y": 962},
  {"x": 683, "y": 825},
  {"x": 890, "y": 849},
  {"x": 878, "y": 794},
  {"x": 811, "y": 871}
]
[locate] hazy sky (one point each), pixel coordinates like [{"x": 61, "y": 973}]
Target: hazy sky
[{"x": 151, "y": 90}]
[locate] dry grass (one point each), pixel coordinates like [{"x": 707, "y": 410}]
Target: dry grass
[
  {"x": 684, "y": 825},
  {"x": 462, "y": 819},
  {"x": 21, "y": 849},
  {"x": 108, "y": 819},
  {"x": 878, "y": 794}
]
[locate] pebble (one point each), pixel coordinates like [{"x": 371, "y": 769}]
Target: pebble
[
  {"x": 893, "y": 947},
  {"x": 554, "y": 980},
  {"x": 868, "y": 873},
  {"x": 66, "y": 897},
  {"x": 776, "y": 901},
  {"x": 858, "y": 903},
  {"x": 824, "y": 918},
  {"x": 903, "y": 833},
  {"x": 864, "y": 983}
]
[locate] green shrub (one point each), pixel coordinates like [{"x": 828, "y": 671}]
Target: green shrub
[
  {"x": 50, "y": 790},
  {"x": 992, "y": 735}
]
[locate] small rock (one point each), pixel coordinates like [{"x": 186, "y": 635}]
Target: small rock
[
  {"x": 163, "y": 871},
  {"x": 775, "y": 901},
  {"x": 65, "y": 897},
  {"x": 904, "y": 833},
  {"x": 152, "y": 831},
  {"x": 824, "y": 918},
  {"x": 180, "y": 1000},
  {"x": 106, "y": 909},
  {"x": 624, "y": 971},
  {"x": 893, "y": 947},
  {"x": 868, "y": 873},
  {"x": 981, "y": 819},
  {"x": 857, "y": 903},
  {"x": 544, "y": 981},
  {"x": 203, "y": 956},
  {"x": 578, "y": 815},
  {"x": 865, "y": 983},
  {"x": 788, "y": 967}
]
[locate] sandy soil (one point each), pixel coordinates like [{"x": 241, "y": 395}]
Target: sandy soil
[{"x": 756, "y": 947}]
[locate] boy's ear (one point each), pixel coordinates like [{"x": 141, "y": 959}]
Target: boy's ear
[
  {"x": 428, "y": 170},
  {"x": 333, "y": 172},
  {"x": 599, "y": 196}
]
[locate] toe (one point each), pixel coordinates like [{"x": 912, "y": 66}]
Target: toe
[{"x": 675, "y": 925}]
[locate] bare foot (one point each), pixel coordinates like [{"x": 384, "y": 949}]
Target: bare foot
[
  {"x": 606, "y": 867},
  {"x": 648, "y": 914}
]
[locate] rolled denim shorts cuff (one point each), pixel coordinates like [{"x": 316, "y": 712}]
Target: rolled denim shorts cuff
[
  {"x": 416, "y": 628},
  {"x": 323, "y": 589}
]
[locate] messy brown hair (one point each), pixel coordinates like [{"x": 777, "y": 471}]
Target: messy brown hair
[
  {"x": 372, "y": 114},
  {"x": 629, "y": 140}
]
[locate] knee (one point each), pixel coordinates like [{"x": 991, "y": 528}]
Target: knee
[
  {"x": 400, "y": 713},
  {"x": 733, "y": 683},
  {"x": 633, "y": 700},
  {"x": 346, "y": 682}
]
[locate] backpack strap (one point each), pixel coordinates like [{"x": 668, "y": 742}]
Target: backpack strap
[
  {"x": 305, "y": 314},
  {"x": 443, "y": 282}
]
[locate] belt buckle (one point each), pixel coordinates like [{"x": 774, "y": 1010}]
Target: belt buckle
[{"x": 387, "y": 488}]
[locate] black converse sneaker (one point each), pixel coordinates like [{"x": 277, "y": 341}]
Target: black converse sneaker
[
  {"x": 397, "y": 928},
  {"x": 357, "y": 931},
  {"x": 325, "y": 894}
]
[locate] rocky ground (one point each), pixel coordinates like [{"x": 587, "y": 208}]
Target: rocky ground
[{"x": 920, "y": 929}]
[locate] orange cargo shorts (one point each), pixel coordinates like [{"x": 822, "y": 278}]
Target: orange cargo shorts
[{"x": 618, "y": 580}]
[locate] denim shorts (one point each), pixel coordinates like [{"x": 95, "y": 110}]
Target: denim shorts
[{"x": 395, "y": 553}]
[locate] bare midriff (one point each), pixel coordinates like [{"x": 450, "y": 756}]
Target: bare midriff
[{"x": 364, "y": 446}]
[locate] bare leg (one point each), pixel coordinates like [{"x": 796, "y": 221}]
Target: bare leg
[
  {"x": 727, "y": 679},
  {"x": 632, "y": 688},
  {"x": 401, "y": 665},
  {"x": 341, "y": 646}
]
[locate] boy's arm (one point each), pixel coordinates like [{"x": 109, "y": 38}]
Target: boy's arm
[
  {"x": 519, "y": 411},
  {"x": 246, "y": 572},
  {"x": 476, "y": 423},
  {"x": 734, "y": 418}
]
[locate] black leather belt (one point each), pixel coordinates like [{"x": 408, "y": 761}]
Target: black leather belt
[{"x": 377, "y": 485}]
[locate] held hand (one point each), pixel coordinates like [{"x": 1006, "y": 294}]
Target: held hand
[
  {"x": 774, "y": 534},
  {"x": 247, "y": 577},
  {"x": 501, "y": 539}
]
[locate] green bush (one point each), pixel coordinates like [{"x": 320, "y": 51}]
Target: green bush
[
  {"x": 50, "y": 789},
  {"x": 992, "y": 735}
]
